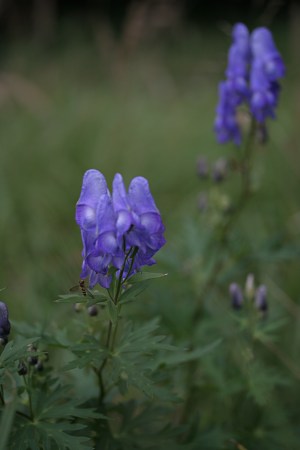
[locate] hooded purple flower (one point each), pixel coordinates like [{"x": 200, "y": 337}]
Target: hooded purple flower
[
  {"x": 114, "y": 229},
  {"x": 267, "y": 68},
  {"x": 235, "y": 89}
]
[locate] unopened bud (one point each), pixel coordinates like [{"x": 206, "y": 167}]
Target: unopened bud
[
  {"x": 32, "y": 360},
  {"x": 249, "y": 286},
  {"x": 219, "y": 170},
  {"x": 77, "y": 307},
  {"x": 202, "y": 167},
  {"x": 236, "y": 295},
  {"x": 22, "y": 369},
  {"x": 39, "y": 366},
  {"x": 92, "y": 311},
  {"x": 261, "y": 298}
]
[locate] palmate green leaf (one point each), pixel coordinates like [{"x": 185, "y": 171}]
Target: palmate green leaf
[
  {"x": 6, "y": 423},
  {"x": 97, "y": 298},
  {"x": 135, "y": 358},
  {"x": 137, "y": 284},
  {"x": 145, "y": 276},
  {"x": 86, "y": 353},
  {"x": 181, "y": 357},
  {"x": 50, "y": 436}
]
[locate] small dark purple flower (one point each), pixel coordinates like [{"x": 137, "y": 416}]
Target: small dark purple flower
[
  {"x": 261, "y": 298},
  {"x": 4, "y": 323},
  {"x": 115, "y": 229},
  {"x": 236, "y": 295}
]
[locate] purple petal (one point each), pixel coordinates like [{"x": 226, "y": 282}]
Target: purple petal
[{"x": 93, "y": 187}]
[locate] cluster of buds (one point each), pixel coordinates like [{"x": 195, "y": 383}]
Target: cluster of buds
[
  {"x": 37, "y": 362},
  {"x": 91, "y": 310},
  {"x": 218, "y": 170},
  {"x": 258, "y": 296}
]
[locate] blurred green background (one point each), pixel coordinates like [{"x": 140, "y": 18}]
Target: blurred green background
[{"x": 134, "y": 92}]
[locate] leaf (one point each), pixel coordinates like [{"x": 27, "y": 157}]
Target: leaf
[
  {"x": 6, "y": 423},
  {"x": 113, "y": 311},
  {"x": 145, "y": 276},
  {"x": 183, "y": 357}
]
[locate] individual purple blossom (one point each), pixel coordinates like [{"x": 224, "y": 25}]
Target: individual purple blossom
[
  {"x": 4, "y": 323},
  {"x": 122, "y": 231},
  {"x": 234, "y": 90},
  {"x": 267, "y": 68}
]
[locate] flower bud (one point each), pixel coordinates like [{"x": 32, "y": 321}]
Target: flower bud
[
  {"x": 92, "y": 311},
  {"x": 32, "y": 360},
  {"x": 261, "y": 298},
  {"x": 39, "y": 366},
  {"x": 202, "y": 167},
  {"x": 249, "y": 286},
  {"x": 236, "y": 295},
  {"x": 22, "y": 369},
  {"x": 219, "y": 170}
]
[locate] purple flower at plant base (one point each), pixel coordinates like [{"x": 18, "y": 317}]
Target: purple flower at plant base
[
  {"x": 123, "y": 231},
  {"x": 4, "y": 323},
  {"x": 236, "y": 294}
]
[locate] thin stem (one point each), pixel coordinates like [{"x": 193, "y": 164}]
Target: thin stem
[
  {"x": 218, "y": 266},
  {"x": 27, "y": 385},
  {"x": 115, "y": 299}
]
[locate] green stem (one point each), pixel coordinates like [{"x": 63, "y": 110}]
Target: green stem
[
  {"x": 111, "y": 327},
  {"x": 218, "y": 266},
  {"x": 28, "y": 388}
]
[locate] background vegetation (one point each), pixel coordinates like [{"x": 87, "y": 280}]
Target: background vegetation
[{"x": 138, "y": 97}]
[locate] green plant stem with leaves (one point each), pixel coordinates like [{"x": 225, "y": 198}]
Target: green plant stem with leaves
[
  {"x": 114, "y": 295},
  {"x": 219, "y": 244}
]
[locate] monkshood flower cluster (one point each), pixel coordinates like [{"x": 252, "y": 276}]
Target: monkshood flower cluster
[
  {"x": 121, "y": 231},
  {"x": 254, "y": 67}
]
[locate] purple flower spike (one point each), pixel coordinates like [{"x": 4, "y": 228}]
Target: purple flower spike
[
  {"x": 117, "y": 229},
  {"x": 254, "y": 68},
  {"x": 4, "y": 323}
]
